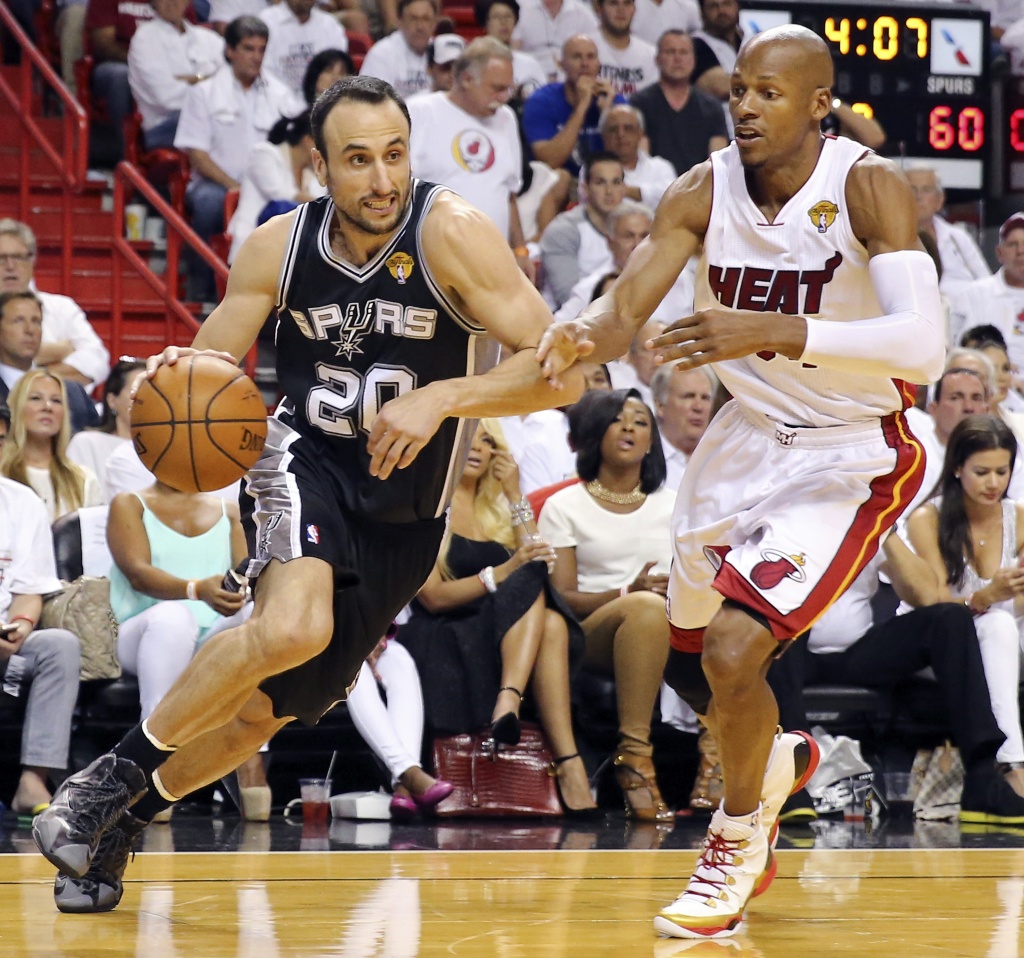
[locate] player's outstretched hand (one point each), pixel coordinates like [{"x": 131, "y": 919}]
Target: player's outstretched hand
[
  {"x": 171, "y": 354},
  {"x": 560, "y": 346},
  {"x": 715, "y": 334},
  {"x": 401, "y": 429}
]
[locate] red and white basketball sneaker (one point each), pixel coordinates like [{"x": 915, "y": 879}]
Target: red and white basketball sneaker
[
  {"x": 793, "y": 761},
  {"x": 736, "y": 860}
]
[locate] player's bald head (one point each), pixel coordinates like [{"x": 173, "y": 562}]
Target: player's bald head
[{"x": 791, "y": 51}]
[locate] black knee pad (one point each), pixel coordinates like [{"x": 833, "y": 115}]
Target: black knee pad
[{"x": 685, "y": 675}]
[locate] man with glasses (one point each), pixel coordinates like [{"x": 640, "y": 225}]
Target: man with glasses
[
  {"x": 70, "y": 345},
  {"x": 962, "y": 261}
]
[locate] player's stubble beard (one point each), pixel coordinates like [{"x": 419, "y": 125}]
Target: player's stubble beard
[{"x": 351, "y": 212}]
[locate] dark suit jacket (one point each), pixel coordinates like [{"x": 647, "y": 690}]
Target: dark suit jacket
[{"x": 82, "y": 408}]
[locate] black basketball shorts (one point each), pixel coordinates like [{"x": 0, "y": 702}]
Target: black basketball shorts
[{"x": 291, "y": 507}]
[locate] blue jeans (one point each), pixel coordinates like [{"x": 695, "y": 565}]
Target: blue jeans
[
  {"x": 162, "y": 134},
  {"x": 205, "y": 202},
  {"x": 110, "y": 84}
]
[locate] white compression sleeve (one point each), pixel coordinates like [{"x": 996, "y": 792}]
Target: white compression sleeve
[{"x": 905, "y": 343}]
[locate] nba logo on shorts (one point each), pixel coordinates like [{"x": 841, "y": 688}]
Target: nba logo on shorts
[{"x": 313, "y": 534}]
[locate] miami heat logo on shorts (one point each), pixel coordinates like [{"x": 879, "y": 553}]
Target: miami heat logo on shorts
[
  {"x": 473, "y": 151},
  {"x": 776, "y": 566}
]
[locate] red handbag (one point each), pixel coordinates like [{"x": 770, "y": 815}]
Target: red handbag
[{"x": 517, "y": 780}]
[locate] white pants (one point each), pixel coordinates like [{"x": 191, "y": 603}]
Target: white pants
[
  {"x": 156, "y": 645},
  {"x": 394, "y": 731},
  {"x": 1000, "y": 639}
]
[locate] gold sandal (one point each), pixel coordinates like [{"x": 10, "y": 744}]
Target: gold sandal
[{"x": 635, "y": 775}]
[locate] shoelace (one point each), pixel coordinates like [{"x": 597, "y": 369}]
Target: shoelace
[
  {"x": 718, "y": 851},
  {"x": 99, "y": 803}
]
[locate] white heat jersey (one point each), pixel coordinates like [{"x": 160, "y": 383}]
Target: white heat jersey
[{"x": 808, "y": 262}]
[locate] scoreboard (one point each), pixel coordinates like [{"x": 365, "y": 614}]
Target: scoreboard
[{"x": 922, "y": 71}]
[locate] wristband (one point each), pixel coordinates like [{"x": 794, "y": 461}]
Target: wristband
[
  {"x": 521, "y": 251},
  {"x": 191, "y": 592},
  {"x": 24, "y": 618},
  {"x": 486, "y": 577},
  {"x": 624, "y": 591}
]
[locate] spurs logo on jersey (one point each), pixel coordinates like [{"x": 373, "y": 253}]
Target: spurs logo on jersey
[
  {"x": 772, "y": 290},
  {"x": 346, "y": 330}
]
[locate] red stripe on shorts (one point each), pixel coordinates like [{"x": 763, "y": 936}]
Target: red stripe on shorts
[
  {"x": 686, "y": 640},
  {"x": 890, "y": 495}
]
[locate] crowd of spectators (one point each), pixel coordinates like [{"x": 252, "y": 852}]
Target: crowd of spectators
[{"x": 565, "y": 124}]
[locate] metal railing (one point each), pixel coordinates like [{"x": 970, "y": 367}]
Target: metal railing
[
  {"x": 70, "y": 160},
  {"x": 179, "y": 323}
]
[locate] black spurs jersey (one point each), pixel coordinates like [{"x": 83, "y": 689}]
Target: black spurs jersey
[{"x": 350, "y": 338}]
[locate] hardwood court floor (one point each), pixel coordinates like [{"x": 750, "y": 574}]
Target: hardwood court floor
[{"x": 898, "y": 903}]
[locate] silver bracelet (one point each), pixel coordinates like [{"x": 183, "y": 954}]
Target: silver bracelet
[
  {"x": 522, "y": 512},
  {"x": 486, "y": 577}
]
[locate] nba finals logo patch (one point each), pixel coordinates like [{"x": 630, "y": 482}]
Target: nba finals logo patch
[
  {"x": 823, "y": 214},
  {"x": 776, "y": 566},
  {"x": 473, "y": 151},
  {"x": 400, "y": 266}
]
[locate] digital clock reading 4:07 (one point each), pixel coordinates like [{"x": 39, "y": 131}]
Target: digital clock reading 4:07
[{"x": 917, "y": 69}]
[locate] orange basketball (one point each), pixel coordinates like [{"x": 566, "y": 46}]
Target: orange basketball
[{"x": 198, "y": 425}]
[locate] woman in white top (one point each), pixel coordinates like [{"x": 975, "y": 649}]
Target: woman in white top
[
  {"x": 279, "y": 171},
  {"x": 972, "y": 535},
  {"x": 93, "y": 447},
  {"x": 35, "y": 453},
  {"x": 612, "y": 547}
]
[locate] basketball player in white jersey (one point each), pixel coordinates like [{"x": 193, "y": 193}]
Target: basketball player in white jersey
[{"x": 816, "y": 305}]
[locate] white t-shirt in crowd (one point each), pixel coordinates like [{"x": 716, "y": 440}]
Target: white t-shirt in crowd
[
  {"x": 652, "y": 175},
  {"x": 539, "y": 443},
  {"x": 611, "y": 548},
  {"x": 268, "y": 176},
  {"x": 64, "y": 319},
  {"x": 92, "y": 449},
  {"x": 542, "y": 36},
  {"x": 652, "y": 19},
  {"x": 481, "y": 159},
  {"x": 630, "y": 69},
  {"x": 158, "y": 54},
  {"x": 392, "y": 59},
  {"x": 293, "y": 44},
  {"x": 42, "y": 482},
  {"x": 224, "y": 11},
  {"x": 27, "y": 565},
  {"x": 527, "y": 72},
  {"x": 226, "y": 120}
]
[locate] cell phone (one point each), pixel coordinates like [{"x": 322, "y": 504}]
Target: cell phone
[
  {"x": 234, "y": 581},
  {"x": 6, "y": 630}
]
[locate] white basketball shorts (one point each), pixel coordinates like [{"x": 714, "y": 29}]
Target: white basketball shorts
[{"x": 781, "y": 520}]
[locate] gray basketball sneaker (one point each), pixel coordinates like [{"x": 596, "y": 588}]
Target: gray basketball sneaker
[
  {"x": 83, "y": 808},
  {"x": 101, "y": 888}
]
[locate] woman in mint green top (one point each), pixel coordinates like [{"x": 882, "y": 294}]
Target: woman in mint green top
[{"x": 171, "y": 550}]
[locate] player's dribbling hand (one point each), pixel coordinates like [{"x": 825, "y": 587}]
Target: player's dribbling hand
[
  {"x": 401, "y": 429},
  {"x": 560, "y": 346},
  {"x": 171, "y": 354}
]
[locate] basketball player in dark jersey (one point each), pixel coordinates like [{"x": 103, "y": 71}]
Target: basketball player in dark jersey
[{"x": 392, "y": 296}]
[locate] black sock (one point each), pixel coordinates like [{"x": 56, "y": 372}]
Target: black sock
[
  {"x": 151, "y": 804},
  {"x": 138, "y": 747}
]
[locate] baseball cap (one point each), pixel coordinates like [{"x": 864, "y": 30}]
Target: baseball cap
[
  {"x": 446, "y": 48},
  {"x": 1015, "y": 222}
]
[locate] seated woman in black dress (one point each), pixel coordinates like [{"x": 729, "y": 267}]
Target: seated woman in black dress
[{"x": 487, "y": 625}]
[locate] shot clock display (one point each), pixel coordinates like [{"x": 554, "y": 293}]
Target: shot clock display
[{"x": 919, "y": 70}]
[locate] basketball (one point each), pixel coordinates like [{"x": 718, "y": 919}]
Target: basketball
[{"x": 198, "y": 425}]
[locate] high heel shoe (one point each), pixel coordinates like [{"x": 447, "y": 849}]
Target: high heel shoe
[
  {"x": 434, "y": 795},
  {"x": 708, "y": 787},
  {"x": 505, "y": 729},
  {"x": 592, "y": 813},
  {"x": 635, "y": 775}
]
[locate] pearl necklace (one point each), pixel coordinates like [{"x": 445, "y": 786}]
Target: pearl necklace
[{"x": 599, "y": 491}]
